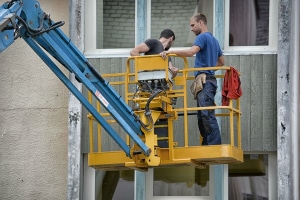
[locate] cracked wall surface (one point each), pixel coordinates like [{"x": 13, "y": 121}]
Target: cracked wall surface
[{"x": 33, "y": 121}]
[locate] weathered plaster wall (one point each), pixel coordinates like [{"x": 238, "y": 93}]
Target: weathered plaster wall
[{"x": 33, "y": 121}]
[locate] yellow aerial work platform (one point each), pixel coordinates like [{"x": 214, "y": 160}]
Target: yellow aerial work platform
[{"x": 170, "y": 115}]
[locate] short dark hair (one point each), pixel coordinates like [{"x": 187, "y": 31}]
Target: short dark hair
[
  {"x": 167, "y": 33},
  {"x": 200, "y": 16}
]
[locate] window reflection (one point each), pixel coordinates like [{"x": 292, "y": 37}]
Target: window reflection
[
  {"x": 175, "y": 15},
  {"x": 116, "y": 21},
  {"x": 115, "y": 185},
  {"x": 181, "y": 181},
  {"x": 249, "y": 180},
  {"x": 249, "y": 22},
  {"x": 115, "y": 24}
]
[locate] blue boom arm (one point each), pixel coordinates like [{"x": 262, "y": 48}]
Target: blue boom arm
[{"x": 25, "y": 19}]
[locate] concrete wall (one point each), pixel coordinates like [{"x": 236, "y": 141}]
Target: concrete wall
[{"x": 33, "y": 121}]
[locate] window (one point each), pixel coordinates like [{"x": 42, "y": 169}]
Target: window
[
  {"x": 110, "y": 24},
  {"x": 252, "y": 25},
  {"x": 249, "y": 180},
  {"x": 249, "y": 23},
  {"x": 176, "y": 17},
  {"x": 181, "y": 182},
  {"x": 124, "y": 188},
  {"x": 115, "y": 24}
]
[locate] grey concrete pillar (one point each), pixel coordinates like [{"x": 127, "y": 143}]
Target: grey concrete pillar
[
  {"x": 75, "y": 160},
  {"x": 288, "y": 100}
]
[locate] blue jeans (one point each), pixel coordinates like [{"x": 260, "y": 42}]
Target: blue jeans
[{"x": 207, "y": 122}]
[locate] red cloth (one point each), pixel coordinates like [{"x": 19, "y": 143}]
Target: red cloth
[{"x": 231, "y": 86}]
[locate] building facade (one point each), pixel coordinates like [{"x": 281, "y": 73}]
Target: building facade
[{"x": 40, "y": 158}]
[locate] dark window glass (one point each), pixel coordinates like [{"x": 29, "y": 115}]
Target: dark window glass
[
  {"x": 249, "y": 23},
  {"x": 115, "y": 24},
  {"x": 181, "y": 181},
  {"x": 249, "y": 180},
  {"x": 175, "y": 14}
]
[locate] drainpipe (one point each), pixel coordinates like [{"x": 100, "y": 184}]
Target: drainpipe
[{"x": 75, "y": 158}]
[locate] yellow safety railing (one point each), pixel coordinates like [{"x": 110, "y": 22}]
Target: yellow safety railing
[{"x": 178, "y": 89}]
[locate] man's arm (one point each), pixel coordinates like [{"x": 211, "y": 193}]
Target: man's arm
[
  {"x": 220, "y": 61},
  {"x": 141, "y": 48},
  {"x": 185, "y": 53},
  {"x": 174, "y": 70}
]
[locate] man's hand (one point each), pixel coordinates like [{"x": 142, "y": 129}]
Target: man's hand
[
  {"x": 174, "y": 71},
  {"x": 164, "y": 54},
  {"x": 197, "y": 85}
]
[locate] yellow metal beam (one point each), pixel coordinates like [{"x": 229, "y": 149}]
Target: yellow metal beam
[{"x": 195, "y": 156}]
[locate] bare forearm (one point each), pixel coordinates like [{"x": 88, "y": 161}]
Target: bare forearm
[
  {"x": 183, "y": 53},
  {"x": 220, "y": 61},
  {"x": 134, "y": 52}
]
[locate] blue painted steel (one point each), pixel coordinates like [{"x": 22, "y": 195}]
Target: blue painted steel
[
  {"x": 77, "y": 93},
  {"x": 112, "y": 101},
  {"x": 7, "y": 18},
  {"x": 57, "y": 44},
  {"x": 101, "y": 90}
]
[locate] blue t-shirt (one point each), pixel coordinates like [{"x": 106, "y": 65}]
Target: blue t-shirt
[{"x": 209, "y": 52}]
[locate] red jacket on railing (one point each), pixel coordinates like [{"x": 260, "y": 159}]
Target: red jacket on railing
[{"x": 231, "y": 86}]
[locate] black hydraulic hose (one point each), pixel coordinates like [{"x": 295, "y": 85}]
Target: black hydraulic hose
[
  {"x": 11, "y": 3},
  {"x": 28, "y": 30},
  {"x": 34, "y": 32},
  {"x": 53, "y": 26},
  {"x": 148, "y": 112},
  {"x": 147, "y": 109}
]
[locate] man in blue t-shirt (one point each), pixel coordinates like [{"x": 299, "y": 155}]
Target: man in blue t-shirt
[{"x": 208, "y": 54}]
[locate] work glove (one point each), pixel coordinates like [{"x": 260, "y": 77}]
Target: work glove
[{"x": 197, "y": 85}]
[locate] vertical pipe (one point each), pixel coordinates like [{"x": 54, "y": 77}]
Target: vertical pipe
[{"x": 75, "y": 109}]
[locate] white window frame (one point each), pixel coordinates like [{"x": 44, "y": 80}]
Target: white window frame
[
  {"x": 90, "y": 48},
  {"x": 273, "y": 28}
]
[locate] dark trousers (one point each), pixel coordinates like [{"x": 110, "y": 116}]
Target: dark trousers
[{"x": 207, "y": 121}]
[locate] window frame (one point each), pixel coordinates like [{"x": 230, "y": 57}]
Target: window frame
[
  {"x": 273, "y": 28},
  {"x": 90, "y": 48}
]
